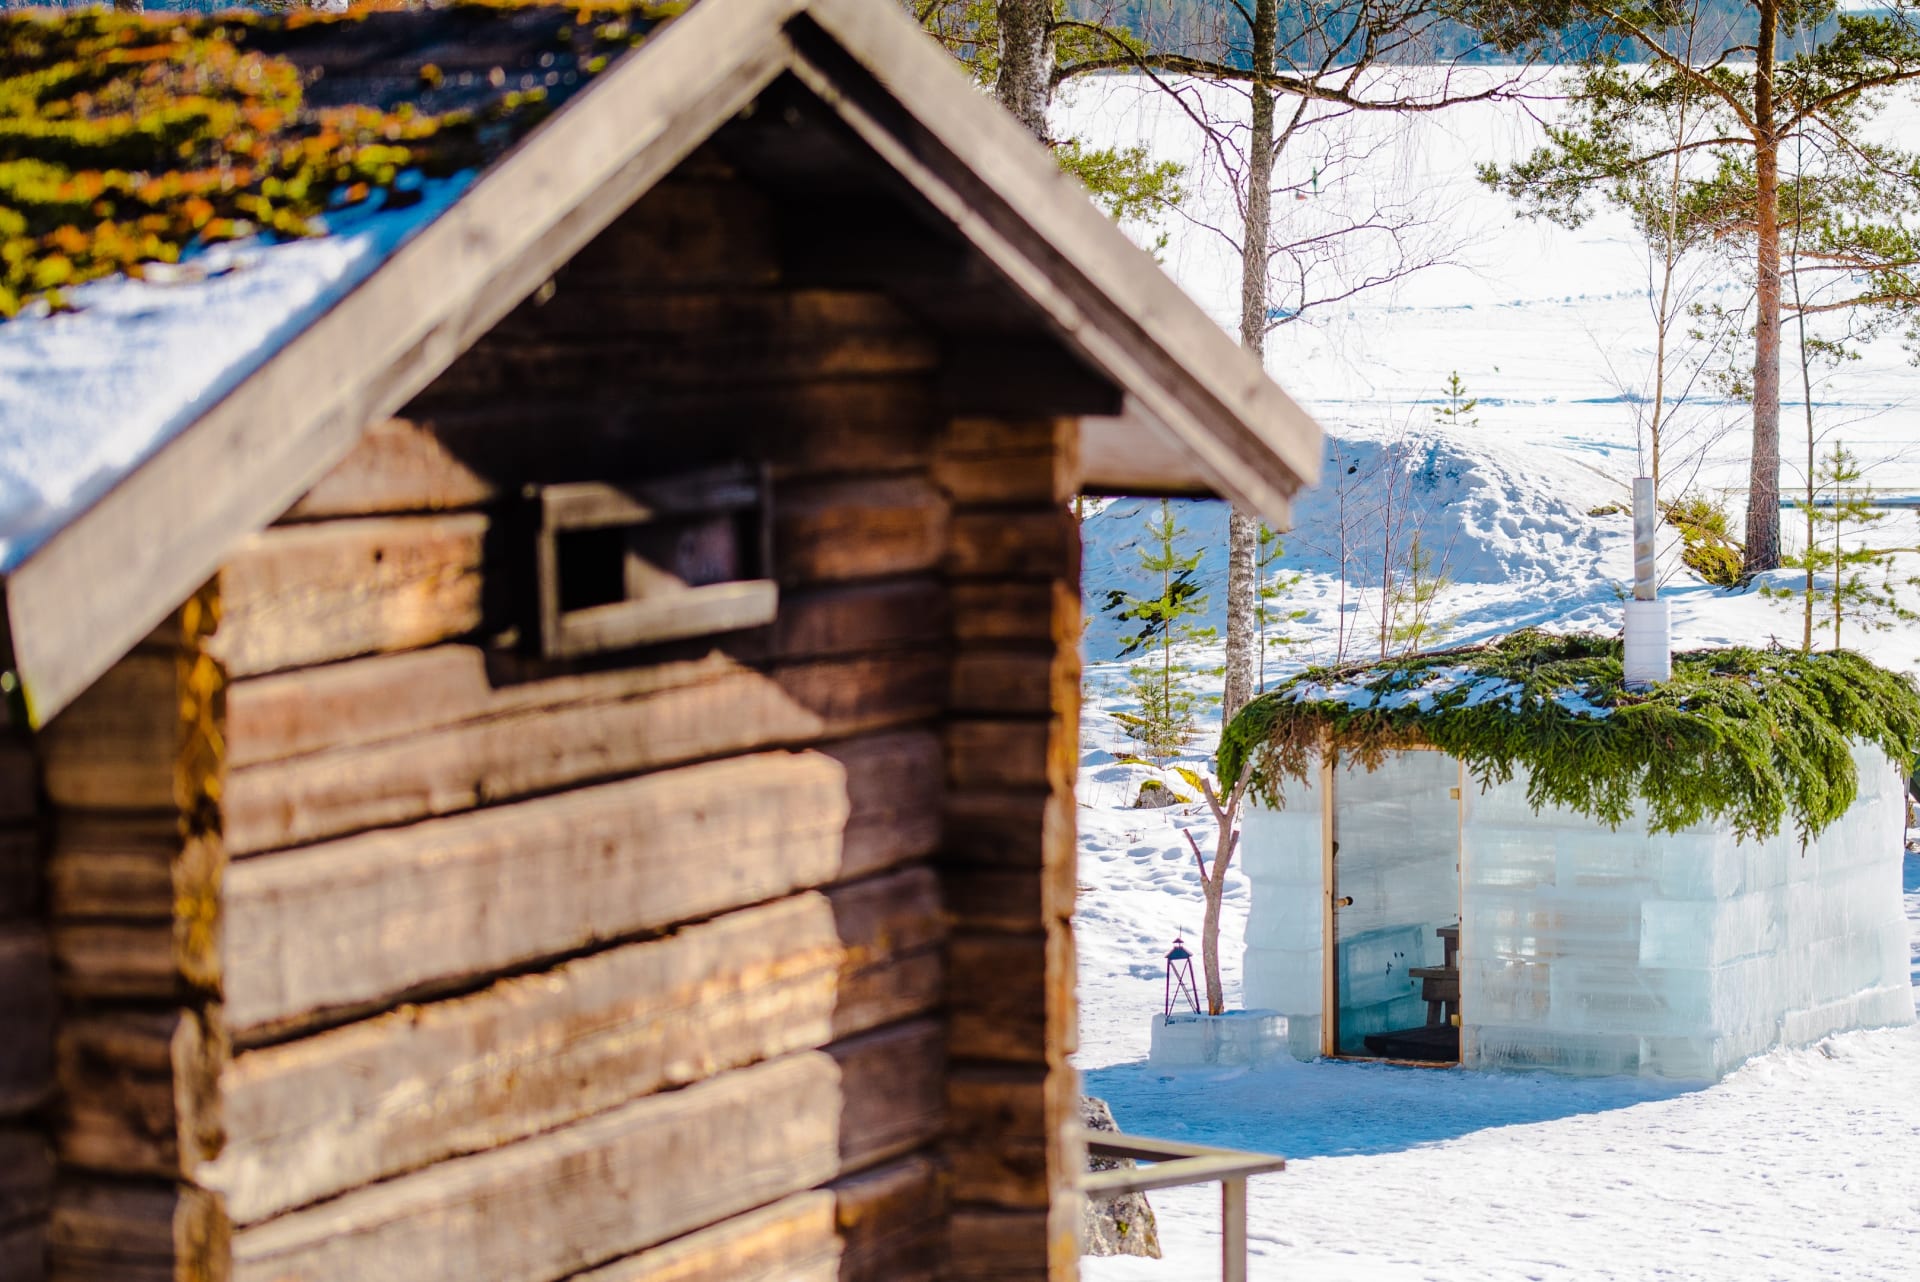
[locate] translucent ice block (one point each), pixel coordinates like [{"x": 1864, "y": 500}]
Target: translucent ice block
[{"x": 1582, "y": 949}]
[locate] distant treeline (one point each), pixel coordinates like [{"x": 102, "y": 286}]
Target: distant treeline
[{"x": 1214, "y": 29}]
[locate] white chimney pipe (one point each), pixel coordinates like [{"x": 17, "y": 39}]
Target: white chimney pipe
[{"x": 1649, "y": 657}]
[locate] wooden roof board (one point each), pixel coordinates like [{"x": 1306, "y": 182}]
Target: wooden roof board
[{"x": 149, "y": 542}]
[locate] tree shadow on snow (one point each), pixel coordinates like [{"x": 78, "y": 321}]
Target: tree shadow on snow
[{"x": 1349, "y": 1109}]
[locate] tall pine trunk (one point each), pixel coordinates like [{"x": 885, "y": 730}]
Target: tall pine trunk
[
  {"x": 1243, "y": 527},
  {"x": 1026, "y": 61},
  {"x": 1763, "y": 484}
]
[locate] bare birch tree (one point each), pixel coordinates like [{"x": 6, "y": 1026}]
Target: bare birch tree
[
  {"x": 1213, "y": 880},
  {"x": 1306, "y": 87}
]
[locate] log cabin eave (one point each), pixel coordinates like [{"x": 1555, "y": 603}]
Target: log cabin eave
[{"x": 1128, "y": 349}]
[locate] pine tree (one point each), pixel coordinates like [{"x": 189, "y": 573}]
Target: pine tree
[
  {"x": 1411, "y": 624},
  {"x": 1167, "y": 719},
  {"x": 1750, "y": 89},
  {"x": 1456, "y": 409}
]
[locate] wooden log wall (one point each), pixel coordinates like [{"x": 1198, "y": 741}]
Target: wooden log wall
[
  {"x": 27, "y": 1015},
  {"x": 388, "y": 952},
  {"x": 1013, "y": 562}
]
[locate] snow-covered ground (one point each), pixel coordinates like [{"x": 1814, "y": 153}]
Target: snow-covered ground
[{"x": 1803, "y": 1164}]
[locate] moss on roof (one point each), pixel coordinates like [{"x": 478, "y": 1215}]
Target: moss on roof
[
  {"x": 1744, "y": 737},
  {"x": 127, "y": 139}
]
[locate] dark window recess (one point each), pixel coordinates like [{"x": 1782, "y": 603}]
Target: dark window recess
[{"x": 659, "y": 560}]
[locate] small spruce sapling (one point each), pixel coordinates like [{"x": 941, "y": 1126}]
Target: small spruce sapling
[
  {"x": 1410, "y": 606},
  {"x": 1859, "y": 583},
  {"x": 1166, "y": 720},
  {"x": 1456, "y": 408}
]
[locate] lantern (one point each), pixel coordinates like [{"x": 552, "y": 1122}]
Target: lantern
[{"x": 1180, "y": 977}]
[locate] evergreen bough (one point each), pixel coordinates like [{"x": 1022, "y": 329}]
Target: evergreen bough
[{"x": 1741, "y": 736}]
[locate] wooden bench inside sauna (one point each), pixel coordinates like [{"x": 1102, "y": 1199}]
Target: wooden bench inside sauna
[{"x": 1438, "y": 1040}]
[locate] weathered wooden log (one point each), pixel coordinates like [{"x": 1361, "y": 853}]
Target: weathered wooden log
[
  {"x": 993, "y": 479},
  {"x": 891, "y": 1221},
  {"x": 687, "y": 232},
  {"x": 1002, "y": 682},
  {"x": 434, "y": 731},
  {"x": 999, "y": 1246},
  {"x": 977, "y": 435},
  {"x": 999, "y": 1127},
  {"x": 565, "y": 1201},
  {"x": 522, "y": 753},
  {"x": 19, "y": 781},
  {"x": 524, "y": 1056},
  {"x": 995, "y": 611},
  {"x": 307, "y": 594},
  {"x": 118, "y": 1231},
  {"x": 998, "y": 993},
  {"x": 369, "y": 700},
  {"x": 291, "y": 1123},
  {"x": 892, "y": 929},
  {"x": 21, "y": 890},
  {"x": 23, "y": 1251},
  {"x": 26, "y": 1197},
  {"x": 830, "y": 531},
  {"x": 894, "y": 1092},
  {"x": 1007, "y": 859},
  {"x": 794, "y": 1240},
  {"x": 1063, "y": 1004},
  {"x": 119, "y": 935},
  {"x": 317, "y": 592},
  {"x": 859, "y": 618},
  {"x": 698, "y": 330},
  {"x": 999, "y": 900},
  {"x": 1017, "y": 543},
  {"x": 727, "y": 339},
  {"x": 129, "y": 865},
  {"x": 820, "y": 427},
  {"x": 367, "y": 919},
  {"x": 398, "y": 466},
  {"x": 999, "y": 753},
  {"x": 363, "y": 920},
  {"x": 26, "y": 1013},
  {"x": 141, "y": 1090}
]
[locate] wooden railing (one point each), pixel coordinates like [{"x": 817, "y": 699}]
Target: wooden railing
[{"x": 1175, "y": 1164}]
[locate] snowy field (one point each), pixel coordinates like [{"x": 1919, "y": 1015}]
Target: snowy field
[{"x": 1803, "y": 1164}]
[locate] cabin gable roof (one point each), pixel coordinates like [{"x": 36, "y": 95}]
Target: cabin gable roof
[{"x": 86, "y": 594}]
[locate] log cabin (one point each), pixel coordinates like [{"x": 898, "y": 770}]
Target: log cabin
[{"x": 550, "y": 755}]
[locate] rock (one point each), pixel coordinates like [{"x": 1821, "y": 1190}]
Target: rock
[
  {"x": 1155, "y": 795},
  {"x": 1120, "y": 1225}
]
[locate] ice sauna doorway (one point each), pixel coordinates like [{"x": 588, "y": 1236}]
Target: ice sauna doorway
[{"x": 1392, "y": 850}]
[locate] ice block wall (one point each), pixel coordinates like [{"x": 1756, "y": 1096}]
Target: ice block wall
[
  {"x": 1280, "y": 855},
  {"x": 1587, "y": 950}
]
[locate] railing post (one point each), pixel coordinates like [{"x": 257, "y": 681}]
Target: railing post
[
  {"x": 1176, "y": 1162},
  {"x": 1233, "y": 1230}
]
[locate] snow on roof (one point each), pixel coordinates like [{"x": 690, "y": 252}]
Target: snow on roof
[
  {"x": 250, "y": 172},
  {"x": 91, "y": 392}
]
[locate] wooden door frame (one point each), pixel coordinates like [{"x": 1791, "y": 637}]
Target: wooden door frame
[{"x": 1329, "y": 928}]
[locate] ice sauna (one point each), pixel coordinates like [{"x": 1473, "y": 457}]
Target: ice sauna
[{"x": 1580, "y": 948}]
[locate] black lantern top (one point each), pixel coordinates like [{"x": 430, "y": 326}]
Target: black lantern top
[{"x": 1181, "y": 988}]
